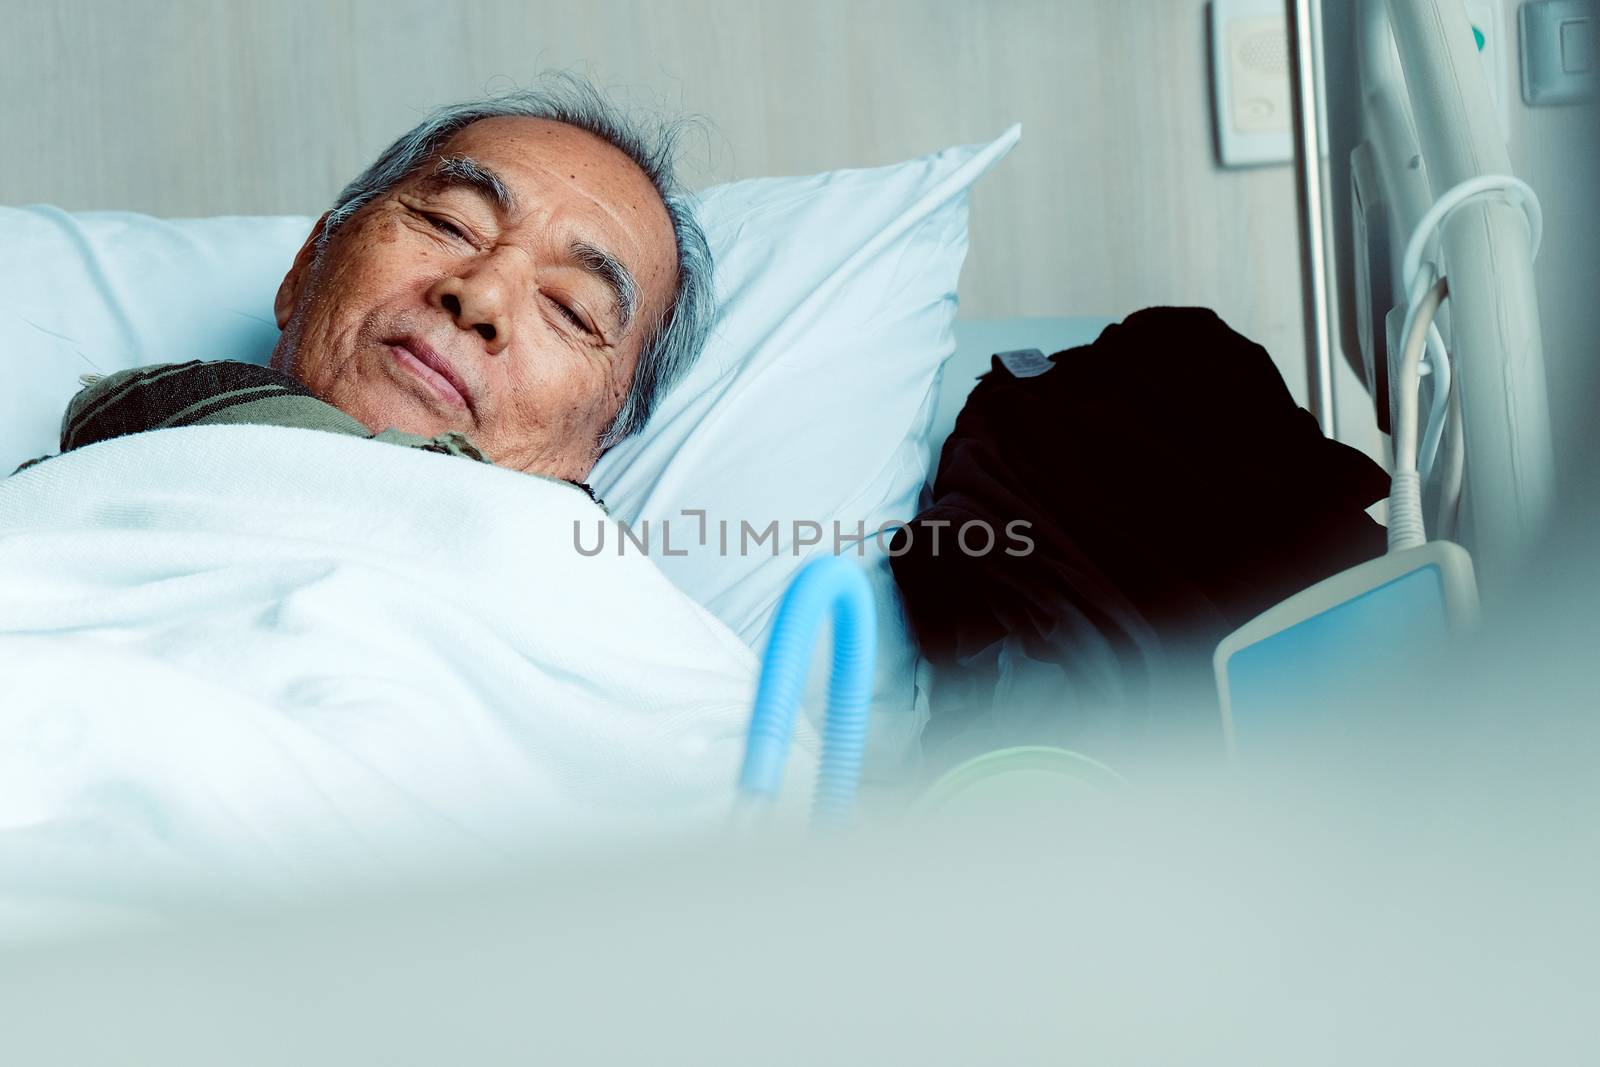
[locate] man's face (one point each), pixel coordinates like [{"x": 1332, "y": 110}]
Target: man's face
[{"x": 503, "y": 291}]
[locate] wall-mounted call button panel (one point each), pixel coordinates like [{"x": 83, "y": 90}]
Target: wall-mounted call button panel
[{"x": 1250, "y": 82}]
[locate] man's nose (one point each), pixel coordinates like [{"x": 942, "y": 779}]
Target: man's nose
[{"x": 477, "y": 300}]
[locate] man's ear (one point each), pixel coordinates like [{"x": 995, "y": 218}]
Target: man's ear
[{"x": 289, "y": 290}]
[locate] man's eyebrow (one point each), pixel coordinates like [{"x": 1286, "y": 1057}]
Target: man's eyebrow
[
  {"x": 469, "y": 173},
  {"x": 609, "y": 269}
]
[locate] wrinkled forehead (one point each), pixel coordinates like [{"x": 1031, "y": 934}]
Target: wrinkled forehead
[{"x": 557, "y": 173}]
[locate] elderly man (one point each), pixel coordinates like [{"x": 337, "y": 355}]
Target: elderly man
[
  {"x": 259, "y": 653},
  {"x": 515, "y": 280}
]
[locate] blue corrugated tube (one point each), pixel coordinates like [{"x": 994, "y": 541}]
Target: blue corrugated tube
[{"x": 826, "y": 583}]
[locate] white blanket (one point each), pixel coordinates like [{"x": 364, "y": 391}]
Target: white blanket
[{"x": 263, "y": 659}]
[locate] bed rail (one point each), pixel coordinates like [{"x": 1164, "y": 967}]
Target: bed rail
[
  {"x": 1494, "y": 314},
  {"x": 1431, "y": 123}
]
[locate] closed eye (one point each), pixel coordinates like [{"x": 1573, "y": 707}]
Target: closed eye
[
  {"x": 571, "y": 315},
  {"x": 445, "y": 226}
]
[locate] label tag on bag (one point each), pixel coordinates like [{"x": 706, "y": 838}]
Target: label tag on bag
[{"x": 1024, "y": 362}]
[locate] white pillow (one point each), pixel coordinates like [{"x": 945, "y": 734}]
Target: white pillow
[
  {"x": 101, "y": 292},
  {"x": 810, "y": 404}
]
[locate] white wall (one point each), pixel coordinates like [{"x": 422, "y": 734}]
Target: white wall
[{"x": 1112, "y": 202}]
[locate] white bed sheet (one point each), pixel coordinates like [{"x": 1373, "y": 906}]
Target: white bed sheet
[{"x": 244, "y": 660}]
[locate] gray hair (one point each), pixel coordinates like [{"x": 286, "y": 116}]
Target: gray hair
[{"x": 674, "y": 339}]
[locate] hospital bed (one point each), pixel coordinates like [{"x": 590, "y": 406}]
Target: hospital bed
[
  {"x": 1427, "y": 136},
  {"x": 957, "y": 949}
]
